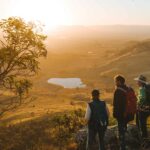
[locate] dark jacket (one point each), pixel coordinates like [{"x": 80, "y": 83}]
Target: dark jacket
[
  {"x": 119, "y": 103},
  {"x": 98, "y": 113}
]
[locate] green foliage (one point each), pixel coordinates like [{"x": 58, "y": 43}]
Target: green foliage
[
  {"x": 21, "y": 46},
  {"x": 22, "y": 87},
  {"x": 112, "y": 121},
  {"x": 66, "y": 125},
  {"x": 57, "y": 130}
]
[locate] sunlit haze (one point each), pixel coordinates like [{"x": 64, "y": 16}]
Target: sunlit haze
[{"x": 53, "y": 13}]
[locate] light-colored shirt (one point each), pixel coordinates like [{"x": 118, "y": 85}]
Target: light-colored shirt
[{"x": 88, "y": 112}]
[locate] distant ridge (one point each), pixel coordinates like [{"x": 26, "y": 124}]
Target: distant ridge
[{"x": 130, "y": 32}]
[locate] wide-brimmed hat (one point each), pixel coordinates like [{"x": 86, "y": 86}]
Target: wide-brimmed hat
[{"x": 141, "y": 78}]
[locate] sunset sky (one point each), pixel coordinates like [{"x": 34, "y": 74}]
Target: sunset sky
[{"x": 79, "y": 12}]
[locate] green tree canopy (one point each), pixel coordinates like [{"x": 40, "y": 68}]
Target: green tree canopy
[{"x": 21, "y": 46}]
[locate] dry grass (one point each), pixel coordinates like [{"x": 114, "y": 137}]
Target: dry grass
[
  {"x": 96, "y": 69},
  {"x": 43, "y": 133}
]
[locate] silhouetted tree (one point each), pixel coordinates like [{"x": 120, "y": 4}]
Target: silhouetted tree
[{"x": 21, "y": 45}]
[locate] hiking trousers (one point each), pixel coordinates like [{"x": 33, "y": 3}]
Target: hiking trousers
[
  {"x": 142, "y": 117},
  {"x": 91, "y": 138},
  {"x": 122, "y": 127}
]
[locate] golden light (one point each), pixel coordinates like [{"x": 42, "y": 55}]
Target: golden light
[{"x": 51, "y": 13}]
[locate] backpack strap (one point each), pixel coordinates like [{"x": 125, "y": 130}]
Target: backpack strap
[
  {"x": 119, "y": 88},
  {"x": 128, "y": 88}
]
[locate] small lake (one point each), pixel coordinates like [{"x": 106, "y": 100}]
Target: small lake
[{"x": 67, "y": 82}]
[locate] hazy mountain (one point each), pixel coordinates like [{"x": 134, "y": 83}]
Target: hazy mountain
[
  {"x": 74, "y": 38},
  {"x": 108, "y": 31},
  {"x": 131, "y": 61}
]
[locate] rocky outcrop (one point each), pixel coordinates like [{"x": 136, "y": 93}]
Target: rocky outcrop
[{"x": 133, "y": 139}]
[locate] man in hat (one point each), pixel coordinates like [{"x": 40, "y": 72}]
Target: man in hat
[
  {"x": 97, "y": 117},
  {"x": 143, "y": 105}
]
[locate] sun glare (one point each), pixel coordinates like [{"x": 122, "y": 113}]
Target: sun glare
[{"x": 49, "y": 12}]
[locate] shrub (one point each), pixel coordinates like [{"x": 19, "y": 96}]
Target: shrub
[{"x": 57, "y": 130}]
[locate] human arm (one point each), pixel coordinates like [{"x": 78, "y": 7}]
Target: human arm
[
  {"x": 107, "y": 110},
  {"x": 88, "y": 113}
]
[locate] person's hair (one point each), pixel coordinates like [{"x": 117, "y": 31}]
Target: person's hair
[
  {"x": 95, "y": 93},
  {"x": 120, "y": 78}
]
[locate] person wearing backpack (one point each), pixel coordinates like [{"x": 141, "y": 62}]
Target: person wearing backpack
[
  {"x": 97, "y": 118},
  {"x": 143, "y": 104},
  {"x": 124, "y": 107}
]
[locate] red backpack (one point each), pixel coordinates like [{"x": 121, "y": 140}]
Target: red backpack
[{"x": 131, "y": 103}]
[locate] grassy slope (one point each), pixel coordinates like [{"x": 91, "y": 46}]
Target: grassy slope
[
  {"x": 96, "y": 69},
  {"x": 46, "y": 98}
]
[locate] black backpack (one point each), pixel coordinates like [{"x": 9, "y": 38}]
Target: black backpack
[
  {"x": 147, "y": 87},
  {"x": 99, "y": 116}
]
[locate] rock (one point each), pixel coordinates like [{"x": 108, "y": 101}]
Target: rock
[
  {"x": 81, "y": 138},
  {"x": 111, "y": 140},
  {"x": 133, "y": 139}
]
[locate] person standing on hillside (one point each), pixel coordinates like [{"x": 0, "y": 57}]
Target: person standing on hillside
[
  {"x": 97, "y": 117},
  {"x": 123, "y": 112},
  {"x": 143, "y": 104}
]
